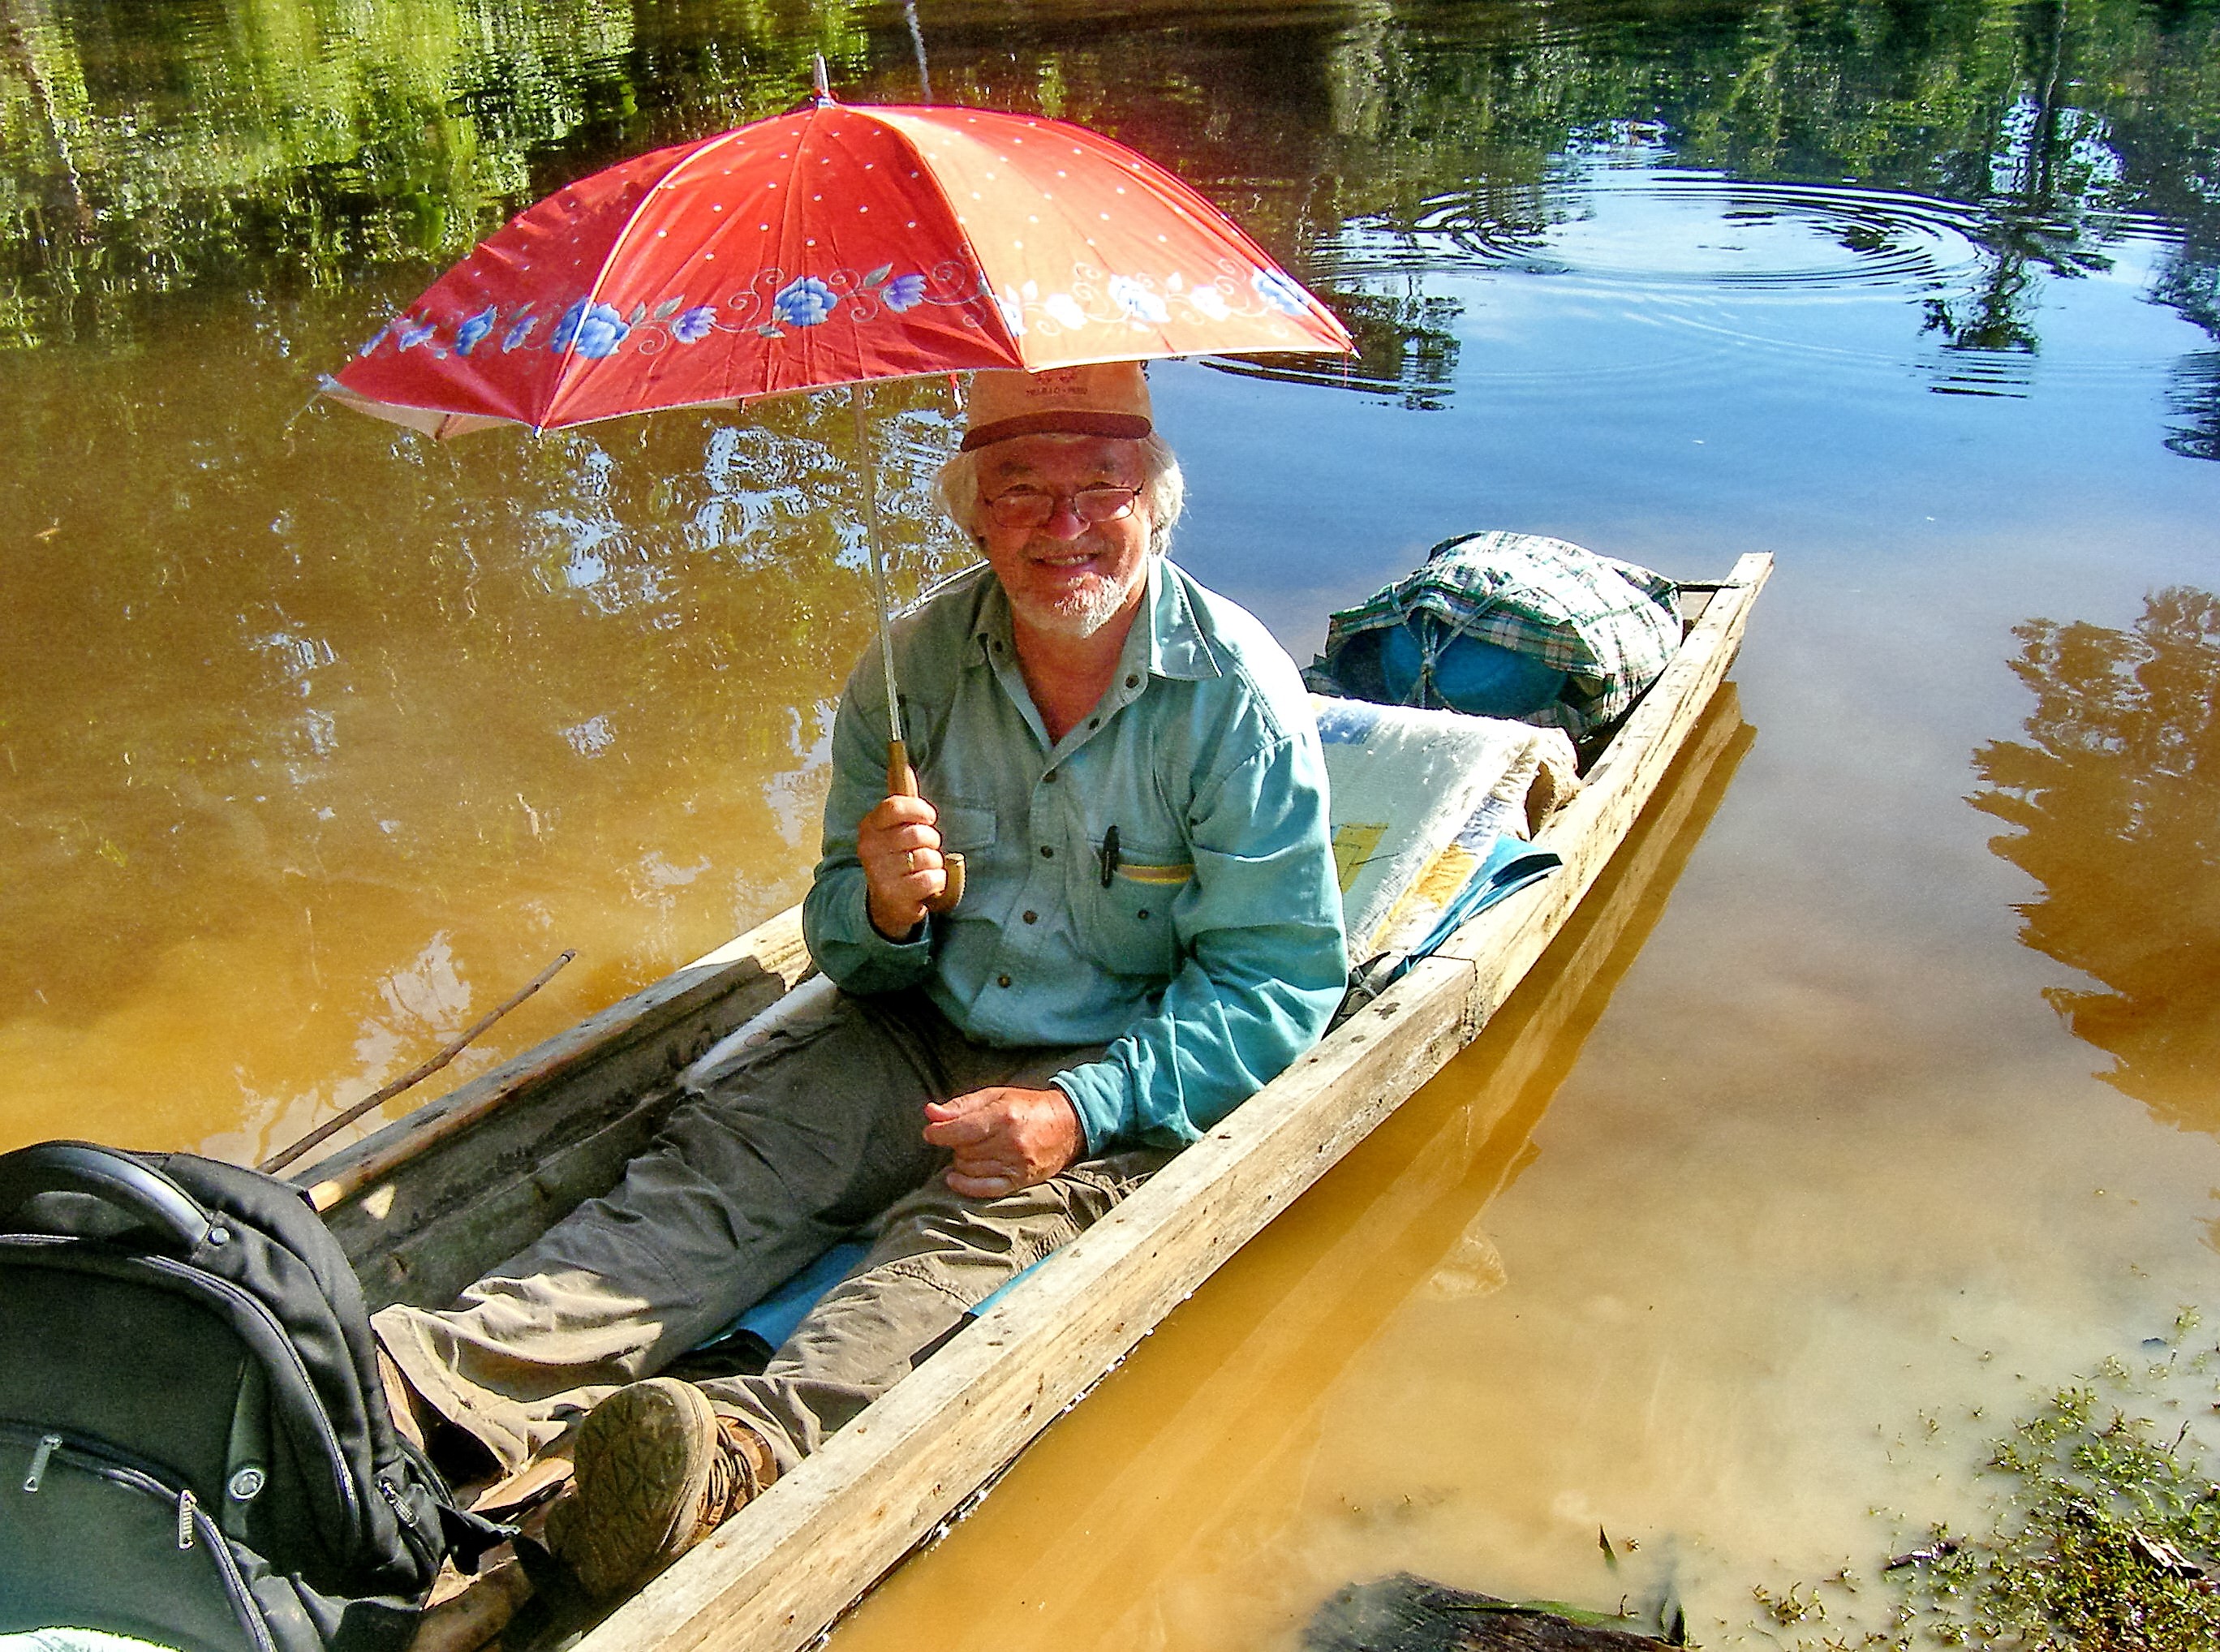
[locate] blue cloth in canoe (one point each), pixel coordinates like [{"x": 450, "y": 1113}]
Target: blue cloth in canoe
[
  {"x": 1512, "y": 863},
  {"x": 772, "y": 1320}
]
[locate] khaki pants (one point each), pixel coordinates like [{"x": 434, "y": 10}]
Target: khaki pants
[{"x": 813, "y": 1135}]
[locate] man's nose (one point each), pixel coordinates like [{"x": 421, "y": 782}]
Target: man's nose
[{"x": 1064, "y": 521}]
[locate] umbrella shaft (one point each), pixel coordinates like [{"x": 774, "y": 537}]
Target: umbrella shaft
[{"x": 871, "y": 475}]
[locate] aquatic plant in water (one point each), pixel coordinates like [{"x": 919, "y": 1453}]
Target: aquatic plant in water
[{"x": 2105, "y": 1535}]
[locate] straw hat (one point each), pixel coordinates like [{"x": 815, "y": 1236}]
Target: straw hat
[{"x": 1108, "y": 398}]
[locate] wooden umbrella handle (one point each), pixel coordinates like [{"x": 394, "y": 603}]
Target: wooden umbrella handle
[{"x": 902, "y": 781}]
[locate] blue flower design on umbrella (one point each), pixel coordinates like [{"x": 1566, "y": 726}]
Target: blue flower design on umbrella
[
  {"x": 468, "y": 334},
  {"x": 690, "y": 325},
  {"x": 804, "y": 301},
  {"x": 593, "y": 330},
  {"x": 519, "y": 329},
  {"x": 1138, "y": 302},
  {"x": 411, "y": 335},
  {"x": 904, "y": 292}
]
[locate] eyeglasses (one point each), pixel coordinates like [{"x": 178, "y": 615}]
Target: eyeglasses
[{"x": 1033, "y": 507}]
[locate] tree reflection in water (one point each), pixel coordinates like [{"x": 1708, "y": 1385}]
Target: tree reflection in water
[
  {"x": 2195, "y": 398},
  {"x": 2116, "y": 795}
]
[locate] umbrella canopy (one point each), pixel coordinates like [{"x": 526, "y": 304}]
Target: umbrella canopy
[{"x": 831, "y": 245}]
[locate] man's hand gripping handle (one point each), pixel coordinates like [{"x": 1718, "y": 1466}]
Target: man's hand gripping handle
[{"x": 902, "y": 781}]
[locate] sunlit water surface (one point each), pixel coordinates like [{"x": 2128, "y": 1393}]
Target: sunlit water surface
[{"x": 1838, "y": 1118}]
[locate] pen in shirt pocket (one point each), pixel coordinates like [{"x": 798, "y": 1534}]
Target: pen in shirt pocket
[{"x": 1109, "y": 856}]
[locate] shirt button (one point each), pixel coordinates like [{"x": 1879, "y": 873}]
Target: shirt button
[
  {"x": 1050, "y": 776},
  {"x": 1133, "y": 682},
  {"x": 1047, "y": 853},
  {"x": 1095, "y": 722},
  {"x": 1034, "y": 917},
  {"x": 1144, "y": 912},
  {"x": 1002, "y": 980}
]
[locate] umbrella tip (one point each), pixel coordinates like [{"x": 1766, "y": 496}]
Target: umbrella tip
[{"x": 824, "y": 91}]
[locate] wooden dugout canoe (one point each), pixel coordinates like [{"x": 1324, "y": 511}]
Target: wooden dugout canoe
[{"x": 424, "y": 1206}]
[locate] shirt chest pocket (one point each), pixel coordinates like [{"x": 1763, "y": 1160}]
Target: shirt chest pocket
[
  {"x": 965, "y": 828},
  {"x": 1127, "y": 922},
  {"x": 968, "y": 830}
]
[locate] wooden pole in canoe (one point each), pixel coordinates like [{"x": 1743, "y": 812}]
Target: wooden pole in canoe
[{"x": 414, "y": 1076}]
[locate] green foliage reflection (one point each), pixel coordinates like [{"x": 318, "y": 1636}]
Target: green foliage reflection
[
  {"x": 276, "y": 142},
  {"x": 289, "y": 142}
]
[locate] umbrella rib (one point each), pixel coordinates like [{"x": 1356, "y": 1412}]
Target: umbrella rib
[
  {"x": 617, "y": 243},
  {"x": 969, "y": 248},
  {"x": 1007, "y": 339}
]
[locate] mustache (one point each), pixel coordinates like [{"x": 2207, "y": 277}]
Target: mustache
[{"x": 1094, "y": 542}]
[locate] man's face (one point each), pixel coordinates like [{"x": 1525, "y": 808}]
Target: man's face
[{"x": 1068, "y": 575}]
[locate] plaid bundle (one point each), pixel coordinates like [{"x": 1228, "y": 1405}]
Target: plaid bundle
[{"x": 1609, "y": 625}]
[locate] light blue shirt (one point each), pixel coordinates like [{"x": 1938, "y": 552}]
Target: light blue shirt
[{"x": 1209, "y": 957}]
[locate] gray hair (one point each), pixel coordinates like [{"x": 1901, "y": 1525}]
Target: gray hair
[{"x": 1163, "y": 490}]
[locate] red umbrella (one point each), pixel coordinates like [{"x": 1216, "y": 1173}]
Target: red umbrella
[
  {"x": 834, "y": 245},
  {"x": 831, "y": 245}
]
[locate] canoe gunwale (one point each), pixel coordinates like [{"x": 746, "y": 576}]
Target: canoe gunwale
[{"x": 778, "y": 1573}]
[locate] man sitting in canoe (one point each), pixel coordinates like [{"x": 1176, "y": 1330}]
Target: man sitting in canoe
[{"x": 1151, "y": 931}]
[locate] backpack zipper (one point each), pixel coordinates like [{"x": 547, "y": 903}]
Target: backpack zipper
[
  {"x": 190, "y": 1517},
  {"x": 401, "y": 1509},
  {"x": 424, "y": 1546},
  {"x": 46, "y": 1444}
]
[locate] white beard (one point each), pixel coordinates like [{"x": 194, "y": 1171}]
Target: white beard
[{"x": 1080, "y": 613}]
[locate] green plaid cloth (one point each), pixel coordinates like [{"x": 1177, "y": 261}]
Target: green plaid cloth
[{"x": 1608, "y": 624}]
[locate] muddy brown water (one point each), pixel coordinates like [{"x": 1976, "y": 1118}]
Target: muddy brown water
[{"x": 1878, "y": 1088}]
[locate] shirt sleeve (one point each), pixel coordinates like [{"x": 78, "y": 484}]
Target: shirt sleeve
[
  {"x": 836, "y": 919},
  {"x": 1263, "y": 961}
]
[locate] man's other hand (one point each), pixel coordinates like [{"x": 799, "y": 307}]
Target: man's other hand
[
  {"x": 1004, "y": 1137},
  {"x": 900, "y": 847}
]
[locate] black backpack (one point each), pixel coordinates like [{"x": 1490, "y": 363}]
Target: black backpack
[{"x": 195, "y": 1448}]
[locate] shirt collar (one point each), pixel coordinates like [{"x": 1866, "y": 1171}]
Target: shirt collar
[
  {"x": 991, "y": 635},
  {"x": 1177, "y": 647}
]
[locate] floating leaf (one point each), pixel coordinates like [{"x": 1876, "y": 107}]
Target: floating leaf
[{"x": 1610, "y": 1555}]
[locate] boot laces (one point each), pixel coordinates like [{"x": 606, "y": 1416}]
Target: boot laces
[{"x": 734, "y": 1476}]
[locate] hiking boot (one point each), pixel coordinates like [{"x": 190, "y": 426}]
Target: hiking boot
[{"x": 658, "y": 1470}]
